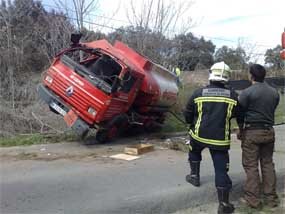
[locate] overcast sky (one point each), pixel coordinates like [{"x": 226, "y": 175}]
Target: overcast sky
[{"x": 255, "y": 22}]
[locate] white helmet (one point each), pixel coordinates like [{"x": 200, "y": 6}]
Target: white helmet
[{"x": 220, "y": 72}]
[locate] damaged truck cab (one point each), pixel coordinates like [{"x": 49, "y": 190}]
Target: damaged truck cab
[{"x": 109, "y": 88}]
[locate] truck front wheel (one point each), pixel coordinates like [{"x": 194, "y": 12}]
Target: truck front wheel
[
  {"x": 102, "y": 136},
  {"x": 113, "y": 129}
]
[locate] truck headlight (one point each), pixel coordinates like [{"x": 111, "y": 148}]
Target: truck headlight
[
  {"x": 48, "y": 79},
  {"x": 92, "y": 111}
]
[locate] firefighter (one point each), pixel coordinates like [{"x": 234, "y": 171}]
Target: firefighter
[
  {"x": 259, "y": 103},
  {"x": 208, "y": 112}
]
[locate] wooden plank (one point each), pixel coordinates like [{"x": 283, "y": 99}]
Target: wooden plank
[
  {"x": 138, "y": 149},
  {"x": 124, "y": 157}
]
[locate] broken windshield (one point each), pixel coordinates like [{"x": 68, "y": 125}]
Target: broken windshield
[{"x": 101, "y": 70}]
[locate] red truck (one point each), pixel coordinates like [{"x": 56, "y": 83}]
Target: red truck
[
  {"x": 282, "y": 53},
  {"x": 107, "y": 87}
]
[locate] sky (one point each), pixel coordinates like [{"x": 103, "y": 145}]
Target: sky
[{"x": 255, "y": 24}]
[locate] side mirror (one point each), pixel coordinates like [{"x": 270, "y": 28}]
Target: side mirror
[{"x": 75, "y": 38}]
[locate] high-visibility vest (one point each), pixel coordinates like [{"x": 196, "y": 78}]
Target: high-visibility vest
[{"x": 177, "y": 71}]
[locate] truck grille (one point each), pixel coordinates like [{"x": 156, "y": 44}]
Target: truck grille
[{"x": 75, "y": 99}]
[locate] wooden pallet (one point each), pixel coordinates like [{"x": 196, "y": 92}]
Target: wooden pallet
[{"x": 138, "y": 149}]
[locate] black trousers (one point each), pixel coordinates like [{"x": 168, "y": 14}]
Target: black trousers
[{"x": 220, "y": 159}]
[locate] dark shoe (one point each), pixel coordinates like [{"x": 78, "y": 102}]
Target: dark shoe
[
  {"x": 193, "y": 179},
  {"x": 195, "y": 168},
  {"x": 224, "y": 205},
  {"x": 272, "y": 202},
  {"x": 194, "y": 176},
  {"x": 244, "y": 202},
  {"x": 225, "y": 208}
]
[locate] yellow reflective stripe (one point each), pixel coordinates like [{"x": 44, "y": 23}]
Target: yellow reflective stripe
[
  {"x": 210, "y": 141},
  {"x": 190, "y": 147},
  {"x": 215, "y": 99},
  {"x": 227, "y": 127},
  {"x": 197, "y": 126}
]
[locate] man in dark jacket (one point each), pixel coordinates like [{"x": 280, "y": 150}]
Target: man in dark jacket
[
  {"x": 209, "y": 111},
  {"x": 259, "y": 102}
]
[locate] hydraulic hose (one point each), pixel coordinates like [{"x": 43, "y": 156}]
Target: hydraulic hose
[{"x": 178, "y": 118}]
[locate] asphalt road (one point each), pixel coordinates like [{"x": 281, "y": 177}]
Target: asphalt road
[{"x": 73, "y": 179}]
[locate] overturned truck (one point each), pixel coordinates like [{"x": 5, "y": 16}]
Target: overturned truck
[{"x": 110, "y": 88}]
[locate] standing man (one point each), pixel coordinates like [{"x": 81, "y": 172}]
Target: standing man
[
  {"x": 209, "y": 111},
  {"x": 259, "y": 102},
  {"x": 177, "y": 71},
  {"x": 178, "y": 74}
]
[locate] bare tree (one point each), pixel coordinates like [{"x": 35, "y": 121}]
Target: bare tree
[
  {"x": 81, "y": 9},
  {"x": 29, "y": 37},
  {"x": 155, "y": 21},
  {"x": 58, "y": 36},
  {"x": 160, "y": 16},
  {"x": 8, "y": 49},
  {"x": 250, "y": 49}
]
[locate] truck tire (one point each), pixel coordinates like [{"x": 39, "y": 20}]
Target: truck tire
[
  {"x": 113, "y": 129},
  {"x": 102, "y": 136}
]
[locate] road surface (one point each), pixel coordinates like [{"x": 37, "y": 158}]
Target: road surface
[{"x": 70, "y": 178}]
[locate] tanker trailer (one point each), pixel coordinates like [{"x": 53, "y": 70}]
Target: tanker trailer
[{"x": 110, "y": 88}]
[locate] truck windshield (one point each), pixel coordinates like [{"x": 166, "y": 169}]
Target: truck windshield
[{"x": 101, "y": 70}]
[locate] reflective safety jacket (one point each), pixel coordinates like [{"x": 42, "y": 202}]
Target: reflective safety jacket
[
  {"x": 178, "y": 71},
  {"x": 209, "y": 111}
]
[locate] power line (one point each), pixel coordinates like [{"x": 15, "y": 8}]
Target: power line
[
  {"x": 90, "y": 14},
  {"x": 229, "y": 40},
  {"x": 218, "y": 38},
  {"x": 114, "y": 28}
]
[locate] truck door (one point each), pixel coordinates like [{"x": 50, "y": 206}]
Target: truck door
[{"x": 122, "y": 99}]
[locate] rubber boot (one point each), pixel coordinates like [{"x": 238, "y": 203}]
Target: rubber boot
[
  {"x": 194, "y": 176},
  {"x": 224, "y": 205}
]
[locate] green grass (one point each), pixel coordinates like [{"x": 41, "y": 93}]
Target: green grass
[
  {"x": 280, "y": 111},
  {"x": 25, "y": 140},
  {"x": 171, "y": 123}
]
